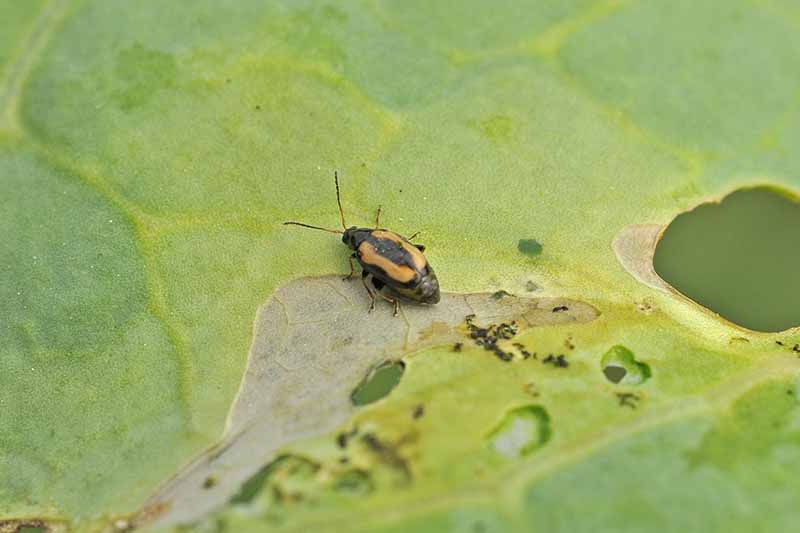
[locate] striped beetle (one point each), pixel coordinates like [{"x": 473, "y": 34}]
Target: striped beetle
[{"x": 389, "y": 258}]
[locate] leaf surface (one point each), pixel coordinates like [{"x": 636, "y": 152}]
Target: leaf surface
[{"x": 149, "y": 153}]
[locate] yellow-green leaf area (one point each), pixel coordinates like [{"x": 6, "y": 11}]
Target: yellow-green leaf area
[
  {"x": 91, "y": 377},
  {"x": 149, "y": 153},
  {"x": 18, "y": 19}
]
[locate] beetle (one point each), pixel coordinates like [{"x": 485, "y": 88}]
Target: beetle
[{"x": 388, "y": 258}]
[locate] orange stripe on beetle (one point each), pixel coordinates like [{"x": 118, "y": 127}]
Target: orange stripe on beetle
[
  {"x": 416, "y": 256},
  {"x": 368, "y": 255},
  {"x": 389, "y": 258}
]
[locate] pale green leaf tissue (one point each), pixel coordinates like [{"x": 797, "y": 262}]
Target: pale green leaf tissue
[{"x": 150, "y": 151}]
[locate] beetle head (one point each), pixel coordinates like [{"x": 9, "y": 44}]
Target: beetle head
[
  {"x": 349, "y": 237},
  {"x": 429, "y": 289}
]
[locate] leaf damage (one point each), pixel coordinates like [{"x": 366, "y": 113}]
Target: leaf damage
[
  {"x": 313, "y": 343},
  {"x": 32, "y": 525}
]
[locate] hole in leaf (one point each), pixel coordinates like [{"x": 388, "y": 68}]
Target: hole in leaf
[
  {"x": 614, "y": 373},
  {"x": 620, "y": 366},
  {"x": 521, "y": 431},
  {"x": 252, "y": 487},
  {"x": 287, "y": 474},
  {"x": 738, "y": 257},
  {"x": 530, "y": 247},
  {"x": 379, "y": 383}
]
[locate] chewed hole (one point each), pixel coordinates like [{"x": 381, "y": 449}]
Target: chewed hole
[
  {"x": 614, "y": 373},
  {"x": 738, "y": 258},
  {"x": 522, "y": 431},
  {"x": 620, "y": 366},
  {"x": 286, "y": 473},
  {"x": 378, "y": 383},
  {"x": 529, "y": 247}
]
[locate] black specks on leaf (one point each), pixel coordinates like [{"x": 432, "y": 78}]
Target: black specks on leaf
[
  {"x": 507, "y": 331},
  {"x": 560, "y": 309},
  {"x": 317, "y": 370},
  {"x": 479, "y": 333},
  {"x": 388, "y": 454},
  {"x": 499, "y": 295},
  {"x": 26, "y": 526},
  {"x": 488, "y": 337},
  {"x": 558, "y": 361},
  {"x": 418, "y": 412},
  {"x": 344, "y": 437},
  {"x": 794, "y": 348},
  {"x": 522, "y": 351},
  {"x": 568, "y": 344},
  {"x": 530, "y": 286},
  {"x": 628, "y": 399},
  {"x": 354, "y": 482},
  {"x": 502, "y": 355}
]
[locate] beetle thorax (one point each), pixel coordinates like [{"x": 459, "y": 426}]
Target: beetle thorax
[{"x": 354, "y": 236}]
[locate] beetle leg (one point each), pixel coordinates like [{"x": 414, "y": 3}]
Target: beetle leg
[
  {"x": 378, "y": 284},
  {"x": 352, "y": 269},
  {"x": 412, "y": 237},
  {"x": 420, "y": 247},
  {"x": 378, "y": 218},
  {"x": 369, "y": 291},
  {"x": 392, "y": 301}
]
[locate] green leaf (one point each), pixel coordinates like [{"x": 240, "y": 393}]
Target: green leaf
[
  {"x": 150, "y": 152},
  {"x": 311, "y": 355}
]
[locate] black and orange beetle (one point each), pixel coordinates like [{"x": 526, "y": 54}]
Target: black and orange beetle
[{"x": 389, "y": 258}]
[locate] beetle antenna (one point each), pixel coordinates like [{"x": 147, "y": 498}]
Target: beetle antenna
[
  {"x": 338, "y": 199},
  {"x": 312, "y": 227}
]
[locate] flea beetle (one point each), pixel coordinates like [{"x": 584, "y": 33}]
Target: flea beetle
[{"x": 389, "y": 258}]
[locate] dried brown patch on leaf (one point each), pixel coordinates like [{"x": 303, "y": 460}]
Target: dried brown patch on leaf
[
  {"x": 635, "y": 247},
  {"x": 313, "y": 343},
  {"x": 31, "y": 525}
]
